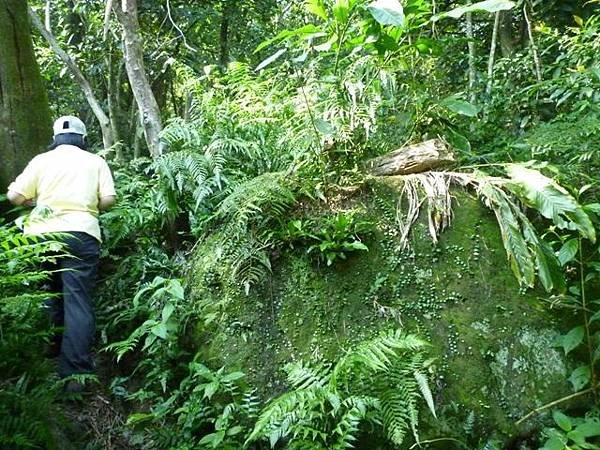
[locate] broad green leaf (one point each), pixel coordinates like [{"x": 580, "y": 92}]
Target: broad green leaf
[
  {"x": 323, "y": 127},
  {"x": 387, "y": 12},
  {"x": 212, "y": 439},
  {"x": 159, "y": 330},
  {"x": 233, "y": 376},
  {"x": 592, "y": 207},
  {"x": 341, "y": 10},
  {"x": 459, "y": 106},
  {"x": 562, "y": 421},
  {"x": 210, "y": 389},
  {"x": 548, "y": 268},
  {"x": 274, "y": 57},
  {"x": 580, "y": 377},
  {"x": 317, "y": 7},
  {"x": 356, "y": 245},
  {"x": 139, "y": 418},
  {"x": 554, "y": 443},
  {"x": 571, "y": 340},
  {"x": 306, "y": 30},
  {"x": 167, "y": 311},
  {"x": 458, "y": 141},
  {"x": 521, "y": 261},
  {"x": 490, "y": 6},
  {"x": 549, "y": 199},
  {"x": 568, "y": 251},
  {"x": 590, "y": 428}
]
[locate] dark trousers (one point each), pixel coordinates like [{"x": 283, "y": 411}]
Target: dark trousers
[{"x": 75, "y": 278}]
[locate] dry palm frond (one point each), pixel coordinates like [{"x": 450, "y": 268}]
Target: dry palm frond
[
  {"x": 527, "y": 252},
  {"x": 436, "y": 186}
]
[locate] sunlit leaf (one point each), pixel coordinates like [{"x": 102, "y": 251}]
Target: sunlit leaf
[
  {"x": 580, "y": 377},
  {"x": 549, "y": 199},
  {"x": 274, "y": 57},
  {"x": 568, "y": 251},
  {"x": 562, "y": 421},
  {"x": 316, "y": 7},
  {"x": 571, "y": 340},
  {"x": 490, "y": 6},
  {"x": 459, "y": 106},
  {"x": 387, "y": 12}
]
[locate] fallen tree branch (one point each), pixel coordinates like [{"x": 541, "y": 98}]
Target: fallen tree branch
[
  {"x": 556, "y": 402},
  {"x": 416, "y": 158}
]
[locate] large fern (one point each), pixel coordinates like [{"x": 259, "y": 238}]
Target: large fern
[
  {"x": 249, "y": 213},
  {"x": 380, "y": 381}
]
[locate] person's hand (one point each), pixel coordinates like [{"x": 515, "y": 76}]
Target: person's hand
[{"x": 30, "y": 202}]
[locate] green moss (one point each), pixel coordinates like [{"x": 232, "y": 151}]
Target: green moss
[{"x": 492, "y": 342}]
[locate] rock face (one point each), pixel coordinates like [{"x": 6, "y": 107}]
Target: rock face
[{"x": 492, "y": 343}]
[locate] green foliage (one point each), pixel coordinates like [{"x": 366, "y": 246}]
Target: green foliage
[
  {"x": 575, "y": 433},
  {"x": 331, "y": 238},
  {"x": 209, "y": 409},
  {"x": 250, "y": 214},
  {"x": 158, "y": 301},
  {"x": 27, "y": 391},
  {"x": 379, "y": 382}
]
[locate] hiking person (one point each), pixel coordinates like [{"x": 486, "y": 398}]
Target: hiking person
[{"x": 68, "y": 187}]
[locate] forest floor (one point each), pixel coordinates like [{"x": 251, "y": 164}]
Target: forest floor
[{"x": 93, "y": 419}]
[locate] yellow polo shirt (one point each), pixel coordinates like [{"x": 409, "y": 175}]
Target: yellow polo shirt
[{"x": 66, "y": 183}]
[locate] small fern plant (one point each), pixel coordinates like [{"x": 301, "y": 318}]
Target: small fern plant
[{"x": 381, "y": 382}]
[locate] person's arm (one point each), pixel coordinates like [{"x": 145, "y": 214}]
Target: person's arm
[
  {"x": 106, "y": 188},
  {"x": 23, "y": 191},
  {"x": 17, "y": 199},
  {"x": 106, "y": 202}
]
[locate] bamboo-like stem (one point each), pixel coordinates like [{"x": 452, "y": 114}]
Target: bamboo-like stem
[
  {"x": 471, "y": 47},
  {"x": 490, "y": 71},
  {"x": 534, "y": 52},
  {"x": 586, "y": 322},
  {"x": 431, "y": 441},
  {"x": 556, "y": 402}
]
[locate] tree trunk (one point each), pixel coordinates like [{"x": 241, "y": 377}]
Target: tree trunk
[
  {"x": 490, "y": 71},
  {"x": 471, "y": 47},
  {"x": 84, "y": 84},
  {"x": 48, "y": 16},
  {"x": 114, "y": 110},
  {"x": 25, "y": 124},
  {"x": 126, "y": 12},
  {"x": 534, "y": 52},
  {"x": 224, "y": 35},
  {"x": 505, "y": 33}
]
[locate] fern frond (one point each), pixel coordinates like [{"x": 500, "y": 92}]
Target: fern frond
[{"x": 301, "y": 376}]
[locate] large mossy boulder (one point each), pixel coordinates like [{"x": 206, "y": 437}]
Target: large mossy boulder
[{"x": 493, "y": 342}]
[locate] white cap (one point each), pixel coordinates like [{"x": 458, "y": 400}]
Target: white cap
[{"x": 69, "y": 124}]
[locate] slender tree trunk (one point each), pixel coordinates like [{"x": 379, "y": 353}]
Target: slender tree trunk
[
  {"x": 505, "y": 35},
  {"x": 84, "y": 84},
  {"x": 534, "y": 52},
  {"x": 47, "y": 16},
  {"x": 490, "y": 71},
  {"x": 137, "y": 137},
  {"x": 126, "y": 12},
  {"x": 224, "y": 34},
  {"x": 113, "y": 102},
  {"x": 25, "y": 124},
  {"x": 471, "y": 46}
]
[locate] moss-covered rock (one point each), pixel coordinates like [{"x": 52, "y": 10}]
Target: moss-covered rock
[{"x": 492, "y": 341}]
